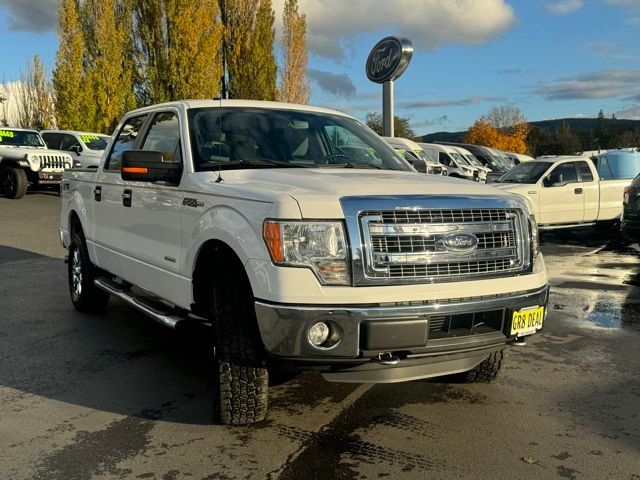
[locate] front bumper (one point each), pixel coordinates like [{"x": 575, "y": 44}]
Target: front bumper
[
  {"x": 630, "y": 229},
  {"x": 430, "y": 339},
  {"x": 49, "y": 178}
]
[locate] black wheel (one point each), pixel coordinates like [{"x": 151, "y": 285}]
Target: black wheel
[
  {"x": 485, "y": 372},
  {"x": 240, "y": 373},
  {"x": 13, "y": 182},
  {"x": 86, "y": 297}
]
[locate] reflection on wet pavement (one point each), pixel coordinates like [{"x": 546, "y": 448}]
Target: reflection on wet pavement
[{"x": 608, "y": 313}]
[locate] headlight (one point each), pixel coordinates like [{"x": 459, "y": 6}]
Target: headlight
[
  {"x": 34, "y": 161},
  {"x": 320, "y": 246},
  {"x": 534, "y": 237}
]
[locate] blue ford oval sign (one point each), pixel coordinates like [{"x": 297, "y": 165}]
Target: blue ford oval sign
[
  {"x": 460, "y": 242},
  {"x": 388, "y": 59}
]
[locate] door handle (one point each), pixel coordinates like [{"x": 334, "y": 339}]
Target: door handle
[
  {"x": 577, "y": 191},
  {"x": 97, "y": 193},
  {"x": 127, "y": 195}
]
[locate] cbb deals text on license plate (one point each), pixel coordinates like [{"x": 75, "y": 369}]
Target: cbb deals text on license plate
[{"x": 527, "y": 321}]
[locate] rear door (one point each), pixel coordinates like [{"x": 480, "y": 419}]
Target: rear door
[
  {"x": 561, "y": 196},
  {"x": 151, "y": 223}
]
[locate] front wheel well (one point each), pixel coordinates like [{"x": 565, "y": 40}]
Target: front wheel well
[
  {"x": 74, "y": 224},
  {"x": 215, "y": 261}
]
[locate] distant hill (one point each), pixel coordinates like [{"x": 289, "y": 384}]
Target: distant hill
[{"x": 578, "y": 125}]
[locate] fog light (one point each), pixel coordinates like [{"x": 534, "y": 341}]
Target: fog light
[{"x": 318, "y": 334}]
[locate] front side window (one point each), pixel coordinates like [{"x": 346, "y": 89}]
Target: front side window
[
  {"x": 444, "y": 159},
  {"x": 236, "y": 138},
  {"x": 125, "y": 140},
  {"x": 164, "y": 136},
  {"x": 68, "y": 141},
  {"x": 561, "y": 175},
  {"x": 52, "y": 140}
]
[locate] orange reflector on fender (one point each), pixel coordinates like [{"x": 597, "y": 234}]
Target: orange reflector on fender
[{"x": 134, "y": 170}]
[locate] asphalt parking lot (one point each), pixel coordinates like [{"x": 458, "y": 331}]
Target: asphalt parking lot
[{"x": 118, "y": 396}]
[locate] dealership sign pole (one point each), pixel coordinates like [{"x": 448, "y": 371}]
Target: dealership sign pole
[{"x": 388, "y": 59}]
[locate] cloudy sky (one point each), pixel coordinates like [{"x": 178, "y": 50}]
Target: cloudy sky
[{"x": 551, "y": 58}]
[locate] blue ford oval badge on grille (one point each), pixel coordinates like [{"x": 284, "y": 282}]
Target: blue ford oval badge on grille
[{"x": 460, "y": 242}]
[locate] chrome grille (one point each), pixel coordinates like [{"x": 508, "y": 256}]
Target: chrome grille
[
  {"x": 443, "y": 216},
  {"x": 415, "y": 244}
]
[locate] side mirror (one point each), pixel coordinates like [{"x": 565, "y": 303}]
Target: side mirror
[
  {"x": 149, "y": 166},
  {"x": 75, "y": 149}
]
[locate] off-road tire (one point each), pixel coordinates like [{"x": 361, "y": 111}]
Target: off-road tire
[
  {"x": 13, "y": 182},
  {"x": 85, "y": 296},
  {"x": 240, "y": 373},
  {"x": 485, "y": 372}
]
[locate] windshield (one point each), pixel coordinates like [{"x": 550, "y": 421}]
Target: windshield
[
  {"x": 458, "y": 158},
  {"x": 424, "y": 155},
  {"x": 95, "y": 142},
  {"x": 471, "y": 160},
  {"x": 235, "y": 138},
  {"x": 529, "y": 172},
  {"x": 20, "y": 138}
]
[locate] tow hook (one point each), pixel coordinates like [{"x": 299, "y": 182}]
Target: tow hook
[{"x": 386, "y": 358}]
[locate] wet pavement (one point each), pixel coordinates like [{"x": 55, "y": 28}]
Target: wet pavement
[{"x": 118, "y": 396}]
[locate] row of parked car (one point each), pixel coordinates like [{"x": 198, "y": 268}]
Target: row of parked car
[{"x": 470, "y": 162}]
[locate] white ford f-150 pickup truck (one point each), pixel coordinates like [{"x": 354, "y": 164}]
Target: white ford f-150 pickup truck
[
  {"x": 566, "y": 191},
  {"x": 249, "y": 215},
  {"x": 25, "y": 160}
]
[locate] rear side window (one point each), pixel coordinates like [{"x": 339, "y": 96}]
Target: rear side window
[
  {"x": 125, "y": 140},
  {"x": 164, "y": 136},
  {"x": 585, "y": 172},
  {"x": 624, "y": 166},
  {"x": 52, "y": 140}
]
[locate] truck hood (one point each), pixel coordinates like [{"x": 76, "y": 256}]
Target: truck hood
[
  {"x": 522, "y": 189},
  {"x": 10, "y": 151},
  {"x": 318, "y": 190}
]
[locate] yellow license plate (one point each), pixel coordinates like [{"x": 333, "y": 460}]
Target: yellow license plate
[{"x": 527, "y": 321}]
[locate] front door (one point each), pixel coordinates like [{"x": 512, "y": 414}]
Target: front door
[
  {"x": 561, "y": 196},
  {"x": 106, "y": 199},
  {"x": 151, "y": 223}
]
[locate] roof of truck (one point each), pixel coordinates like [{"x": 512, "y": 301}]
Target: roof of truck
[{"x": 214, "y": 103}]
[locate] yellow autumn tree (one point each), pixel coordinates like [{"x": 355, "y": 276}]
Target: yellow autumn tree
[
  {"x": 503, "y": 128},
  {"x": 109, "y": 58},
  {"x": 68, "y": 76},
  {"x": 177, "y": 44},
  {"x": 294, "y": 86}
]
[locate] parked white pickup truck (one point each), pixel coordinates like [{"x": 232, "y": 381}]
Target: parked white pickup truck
[
  {"x": 25, "y": 160},
  {"x": 250, "y": 216},
  {"x": 565, "y": 191}
]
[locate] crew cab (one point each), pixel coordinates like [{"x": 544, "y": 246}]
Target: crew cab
[
  {"x": 86, "y": 147},
  {"x": 566, "y": 191},
  {"x": 251, "y": 217},
  {"x": 25, "y": 160}
]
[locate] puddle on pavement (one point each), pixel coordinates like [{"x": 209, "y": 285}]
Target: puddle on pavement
[{"x": 607, "y": 313}]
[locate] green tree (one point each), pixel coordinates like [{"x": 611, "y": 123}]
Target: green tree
[
  {"x": 401, "y": 125},
  {"x": 294, "y": 86},
  {"x": 68, "y": 76}
]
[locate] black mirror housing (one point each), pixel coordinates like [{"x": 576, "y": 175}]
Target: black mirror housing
[{"x": 149, "y": 166}]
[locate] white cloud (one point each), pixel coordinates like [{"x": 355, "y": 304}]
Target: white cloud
[
  {"x": 564, "y": 7},
  {"x": 427, "y": 23},
  {"x": 600, "y": 84},
  {"x": 631, "y": 113},
  {"x": 624, "y": 3},
  {"x": 31, "y": 15}
]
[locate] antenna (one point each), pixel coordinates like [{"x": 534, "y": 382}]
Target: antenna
[{"x": 220, "y": 179}]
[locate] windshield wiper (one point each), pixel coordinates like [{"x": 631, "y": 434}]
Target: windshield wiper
[{"x": 213, "y": 164}]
